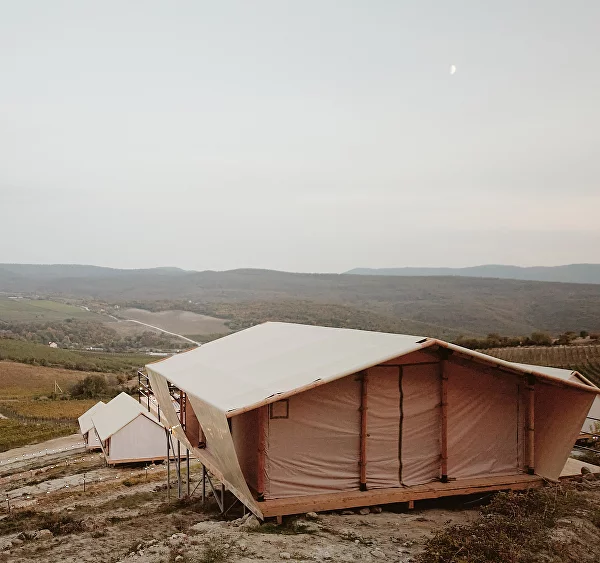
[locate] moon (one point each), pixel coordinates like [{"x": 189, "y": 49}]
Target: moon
[{"x": 452, "y": 69}]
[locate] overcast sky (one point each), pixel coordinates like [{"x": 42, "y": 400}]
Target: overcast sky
[{"x": 305, "y": 136}]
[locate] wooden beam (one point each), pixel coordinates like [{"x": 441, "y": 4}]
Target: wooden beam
[
  {"x": 263, "y": 422},
  {"x": 444, "y": 414},
  {"x": 363, "y": 431},
  {"x": 531, "y": 425},
  {"x": 373, "y": 497}
]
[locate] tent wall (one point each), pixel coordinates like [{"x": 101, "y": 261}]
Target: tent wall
[
  {"x": 559, "y": 415},
  {"x": 244, "y": 430},
  {"x": 141, "y": 439},
  {"x": 421, "y": 423},
  {"x": 316, "y": 448},
  {"x": 91, "y": 440},
  {"x": 383, "y": 427},
  {"x": 483, "y": 415}
]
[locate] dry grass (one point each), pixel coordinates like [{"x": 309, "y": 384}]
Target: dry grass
[
  {"x": 47, "y": 409},
  {"x": 20, "y": 380},
  {"x": 514, "y": 528},
  {"x": 180, "y": 322}
]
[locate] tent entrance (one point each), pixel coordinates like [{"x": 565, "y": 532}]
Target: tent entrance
[{"x": 403, "y": 425}]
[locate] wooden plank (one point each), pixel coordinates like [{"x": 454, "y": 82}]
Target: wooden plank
[
  {"x": 531, "y": 426},
  {"x": 444, "y": 437},
  {"x": 363, "y": 431},
  {"x": 354, "y": 499},
  {"x": 263, "y": 421}
]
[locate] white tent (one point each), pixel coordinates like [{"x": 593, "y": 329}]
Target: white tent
[
  {"x": 86, "y": 427},
  {"x": 282, "y": 410},
  {"x": 128, "y": 432}
]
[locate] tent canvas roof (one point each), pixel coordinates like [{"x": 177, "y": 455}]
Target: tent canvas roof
[
  {"x": 118, "y": 413},
  {"x": 85, "y": 420},
  {"x": 259, "y": 364}
]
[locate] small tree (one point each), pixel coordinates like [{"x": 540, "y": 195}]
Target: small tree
[{"x": 92, "y": 387}]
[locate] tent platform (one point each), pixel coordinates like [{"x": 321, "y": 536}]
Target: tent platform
[{"x": 437, "y": 489}]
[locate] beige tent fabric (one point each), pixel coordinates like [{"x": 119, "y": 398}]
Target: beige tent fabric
[
  {"x": 316, "y": 449},
  {"x": 169, "y": 416},
  {"x": 383, "y": 427},
  {"x": 244, "y": 430},
  {"x": 220, "y": 447},
  {"x": 421, "y": 424},
  {"x": 482, "y": 422},
  {"x": 222, "y": 460},
  {"x": 559, "y": 415}
]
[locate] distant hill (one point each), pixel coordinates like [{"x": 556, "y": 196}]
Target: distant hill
[
  {"x": 442, "y": 306},
  {"x": 571, "y": 273}
]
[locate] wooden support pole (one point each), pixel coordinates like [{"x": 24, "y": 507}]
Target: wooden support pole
[
  {"x": 444, "y": 414},
  {"x": 168, "y": 467},
  {"x": 263, "y": 421},
  {"x": 531, "y": 425},
  {"x": 363, "y": 431},
  {"x": 203, "y": 483}
]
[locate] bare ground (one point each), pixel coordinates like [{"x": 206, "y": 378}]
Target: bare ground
[{"x": 124, "y": 516}]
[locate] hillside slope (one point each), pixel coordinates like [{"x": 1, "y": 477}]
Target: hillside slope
[
  {"x": 473, "y": 306},
  {"x": 571, "y": 273}
]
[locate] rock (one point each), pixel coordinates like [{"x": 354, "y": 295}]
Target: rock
[
  {"x": 204, "y": 526},
  {"x": 378, "y": 554},
  {"x": 364, "y": 511},
  {"x": 16, "y": 541},
  {"x": 251, "y": 524},
  {"x": 304, "y": 527},
  {"x": 226, "y": 546},
  {"x": 179, "y": 558},
  {"x": 70, "y": 509},
  {"x": 242, "y": 546},
  {"x": 312, "y": 515},
  {"x": 347, "y": 513},
  {"x": 43, "y": 534},
  {"x": 284, "y": 555},
  {"x": 585, "y": 470},
  {"x": 139, "y": 546},
  {"x": 27, "y": 535},
  {"x": 376, "y": 509},
  {"x": 177, "y": 536},
  {"x": 589, "y": 477}
]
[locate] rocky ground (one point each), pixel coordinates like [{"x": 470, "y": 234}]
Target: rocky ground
[{"x": 124, "y": 515}]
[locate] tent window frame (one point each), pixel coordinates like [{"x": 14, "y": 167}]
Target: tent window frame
[{"x": 275, "y": 413}]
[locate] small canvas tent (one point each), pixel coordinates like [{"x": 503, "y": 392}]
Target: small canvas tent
[
  {"x": 86, "y": 426},
  {"x": 128, "y": 433},
  {"x": 295, "y": 418}
]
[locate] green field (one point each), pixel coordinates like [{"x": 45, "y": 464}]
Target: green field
[
  {"x": 26, "y": 310},
  {"x": 38, "y": 354}
]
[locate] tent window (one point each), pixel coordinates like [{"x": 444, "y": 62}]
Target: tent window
[{"x": 280, "y": 409}]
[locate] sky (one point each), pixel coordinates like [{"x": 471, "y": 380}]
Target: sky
[{"x": 312, "y": 135}]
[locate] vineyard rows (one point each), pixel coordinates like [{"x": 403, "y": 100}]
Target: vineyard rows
[{"x": 584, "y": 359}]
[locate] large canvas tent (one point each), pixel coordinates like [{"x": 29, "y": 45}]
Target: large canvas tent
[
  {"x": 128, "y": 433},
  {"x": 86, "y": 426},
  {"x": 293, "y": 418}
]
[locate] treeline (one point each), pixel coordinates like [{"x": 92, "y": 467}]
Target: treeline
[
  {"x": 77, "y": 334},
  {"x": 535, "y": 339}
]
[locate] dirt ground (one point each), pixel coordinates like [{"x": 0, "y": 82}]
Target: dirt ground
[{"x": 124, "y": 516}]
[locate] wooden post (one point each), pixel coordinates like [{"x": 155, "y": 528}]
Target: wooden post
[
  {"x": 363, "y": 431},
  {"x": 168, "y": 467},
  {"x": 531, "y": 425},
  {"x": 263, "y": 421},
  {"x": 203, "y": 484},
  {"x": 444, "y": 440}
]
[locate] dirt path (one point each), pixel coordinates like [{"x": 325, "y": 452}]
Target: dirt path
[
  {"x": 155, "y": 328},
  {"x": 58, "y": 448}
]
